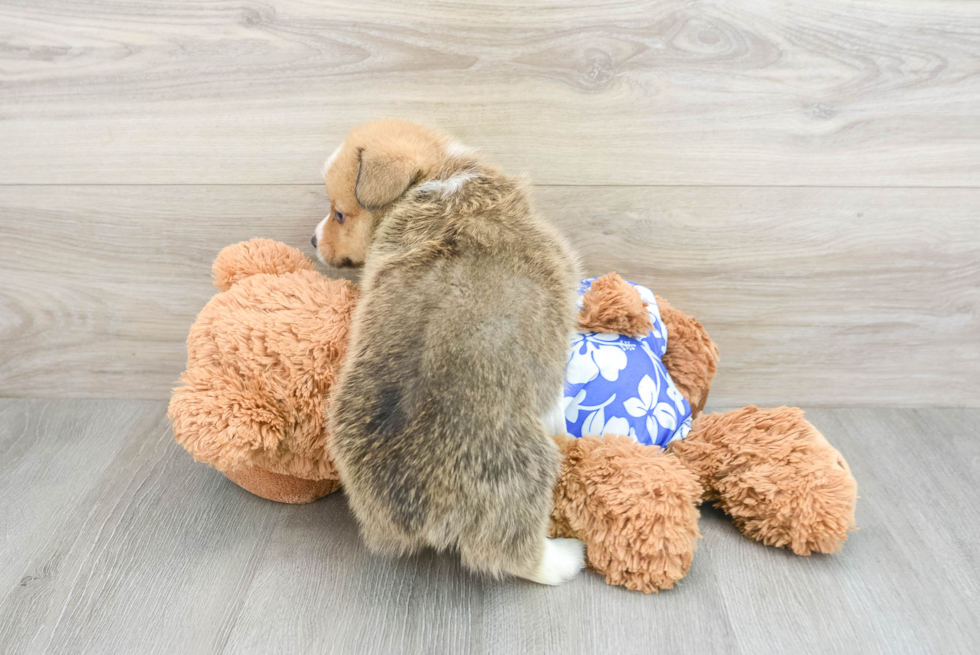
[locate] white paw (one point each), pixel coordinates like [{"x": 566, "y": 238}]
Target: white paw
[{"x": 563, "y": 559}]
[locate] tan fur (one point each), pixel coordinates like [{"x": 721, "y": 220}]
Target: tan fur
[
  {"x": 613, "y": 305},
  {"x": 374, "y": 166},
  {"x": 691, "y": 357},
  {"x": 237, "y": 262},
  {"x": 635, "y": 506},
  {"x": 281, "y": 488},
  {"x": 458, "y": 349},
  {"x": 776, "y": 475},
  {"x": 260, "y": 359}
]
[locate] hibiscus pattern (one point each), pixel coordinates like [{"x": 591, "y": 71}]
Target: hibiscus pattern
[{"x": 616, "y": 384}]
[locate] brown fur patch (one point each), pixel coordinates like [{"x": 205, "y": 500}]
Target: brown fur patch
[
  {"x": 633, "y": 505},
  {"x": 691, "y": 357},
  {"x": 613, "y": 305},
  {"x": 377, "y": 163},
  {"x": 778, "y": 478},
  {"x": 262, "y": 356},
  {"x": 281, "y": 488}
]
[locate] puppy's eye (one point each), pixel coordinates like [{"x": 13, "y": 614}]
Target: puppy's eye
[{"x": 340, "y": 217}]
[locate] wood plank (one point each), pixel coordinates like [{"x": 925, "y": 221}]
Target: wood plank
[
  {"x": 815, "y": 296},
  {"x": 132, "y": 547},
  {"x": 152, "y": 552},
  {"x": 101, "y": 284},
  {"x": 429, "y": 604},
  {"x": 837, "y": 297},
  {"x": 160, "y": 554},
  {"x": 906, "y": 581},
  {"x": 587, "y": 92},
  {"x": 43, "y": 475},
  {"x": 319, "y": 590}
]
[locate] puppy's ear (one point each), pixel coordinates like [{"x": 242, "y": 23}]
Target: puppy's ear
[{"x": 382, "y": 177}]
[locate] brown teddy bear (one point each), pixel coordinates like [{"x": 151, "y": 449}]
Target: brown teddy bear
[{"x": 264, "y": 352}]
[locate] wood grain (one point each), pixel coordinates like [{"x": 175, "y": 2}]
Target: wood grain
[
  {"x": 147, "y": 553},
  {"x": 815, "y": 296},
  {"x": 917, "y": 539},
  {"x": 587, "y": 92},
  {"x": 115, "y": 541}
]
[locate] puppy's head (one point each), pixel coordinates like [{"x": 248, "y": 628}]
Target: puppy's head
[{"x": 372, "y": 168}]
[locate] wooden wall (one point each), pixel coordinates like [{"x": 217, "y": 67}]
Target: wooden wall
[{"x": 803, "y": 177}]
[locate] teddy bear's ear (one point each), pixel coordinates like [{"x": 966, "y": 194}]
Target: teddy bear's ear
[
  {"x": 613, "y": 305},
  {"x": 383, "y": 175},
  {"x": 241, "y": 260}
]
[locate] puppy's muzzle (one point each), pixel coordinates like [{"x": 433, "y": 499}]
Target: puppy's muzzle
[{"x": 313, "y": 241}]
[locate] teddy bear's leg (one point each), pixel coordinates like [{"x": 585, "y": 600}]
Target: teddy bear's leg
[
  {"x": 691, "y": 357},
  {"x": 224, "y": 418},
  {"x": 773, "y": 472},
  {"x": 229, "y": 421},
  {"x": 633, "y": 505}
]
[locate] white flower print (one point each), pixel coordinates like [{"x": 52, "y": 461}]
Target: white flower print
[
  {"x": 594, "y": 354},
  {"x": 676, "y": 396},
  {"x": 620, "y": 426},
  {"x": 657, "y": 413},
  {"x": 573, "y": 405},
  {"x": 593, "y": 426},
  {"x": 593, "y": 422}
]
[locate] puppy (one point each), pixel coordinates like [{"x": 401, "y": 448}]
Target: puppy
[{"x": 457, "y": 351}]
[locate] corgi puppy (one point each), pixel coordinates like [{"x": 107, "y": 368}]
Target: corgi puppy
[{"x": 457, "y": 352}]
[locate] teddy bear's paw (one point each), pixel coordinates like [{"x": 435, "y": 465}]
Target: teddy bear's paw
[
  {"x": 776, "y": 475},
  {"x": 562, "y": 561},
  {"x": 807, "y": 508},
  {"x": 635, "y": 507},
  {"x": 223, "y": 419},
  {"x": 279, "y": 487}
]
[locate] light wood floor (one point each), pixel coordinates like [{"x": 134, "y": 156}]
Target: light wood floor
[{"x": 115, "y": 541}]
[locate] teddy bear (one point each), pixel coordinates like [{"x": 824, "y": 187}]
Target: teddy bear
[{"x": 264, "y": 353}]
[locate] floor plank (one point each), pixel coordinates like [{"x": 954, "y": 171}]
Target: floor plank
[
  {"x": 151, "y": 553},
  {"x": 815, "y": 296},
  {"x": 586, "y": 92},
  {"x": 116, "y": 542},
  {"x": 43, "y": 472},
  {"x": 893, "y": 589}
]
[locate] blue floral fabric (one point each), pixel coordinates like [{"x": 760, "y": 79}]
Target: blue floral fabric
[{"x": 616, "y": 384}]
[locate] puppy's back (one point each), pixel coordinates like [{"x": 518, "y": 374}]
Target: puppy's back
[{"x": 458, "y": 351}]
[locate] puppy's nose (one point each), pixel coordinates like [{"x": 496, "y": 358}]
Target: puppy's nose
[{"x": 313, "y": 241}]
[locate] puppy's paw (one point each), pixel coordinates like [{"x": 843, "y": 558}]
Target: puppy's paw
[{"x": 563, "y": 559}]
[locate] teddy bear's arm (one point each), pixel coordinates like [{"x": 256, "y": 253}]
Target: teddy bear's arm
[
  {"x": 691, "y": 357},
  {"x": 633, "y": 505}
]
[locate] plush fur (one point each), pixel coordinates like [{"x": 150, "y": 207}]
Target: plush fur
[
  {"x": 261, "y": 358},
  {"x": 458, "y": 349},
  {"x": 691, "y": 357},
  {"x": 634, "y": 506},
  {"x": 778, "y": 478},
  {"x": 612, "y": 305}
]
